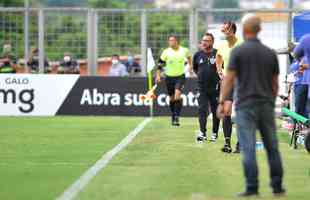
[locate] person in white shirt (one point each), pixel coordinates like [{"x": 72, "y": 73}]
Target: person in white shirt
[{"x": 117, "y": 68}]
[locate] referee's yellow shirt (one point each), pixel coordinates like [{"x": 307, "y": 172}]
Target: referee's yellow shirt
[
  {"x": 175, "y": 60},
  {"x": 224, "y": 51}
]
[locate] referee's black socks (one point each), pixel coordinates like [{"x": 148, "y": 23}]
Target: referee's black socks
[
  {"x": 178, "y": 106},
  {"x": 172, "y": 107}
]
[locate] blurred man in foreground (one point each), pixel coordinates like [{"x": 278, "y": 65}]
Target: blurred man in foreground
[{"x": 256, "y": 69}]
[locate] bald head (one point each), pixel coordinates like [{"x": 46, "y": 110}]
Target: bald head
[{"x": 251, "y": 24}]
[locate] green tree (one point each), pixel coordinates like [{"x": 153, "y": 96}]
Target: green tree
[
  {"x": 161, "y": 25},
  {"x": 12, "y": 3},
  {"x": 108, "y": 3}
]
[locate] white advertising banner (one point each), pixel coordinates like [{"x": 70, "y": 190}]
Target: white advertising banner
[{"x": 33, "y": 95}]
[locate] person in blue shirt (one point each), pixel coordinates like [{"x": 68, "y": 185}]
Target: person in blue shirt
[
  {"x": 302, "y": 73},
  {"x": 303, "y": 48}
]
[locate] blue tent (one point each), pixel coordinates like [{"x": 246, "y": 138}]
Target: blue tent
[{"x": 301, "y": 25}]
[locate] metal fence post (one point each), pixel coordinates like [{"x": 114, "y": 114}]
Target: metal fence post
[
  {"x": 144, "y": 41},
  {"x": 95, "y": 44},
  {"x": 289, "y": 38},
  {"x": 41, "y": 40},
  {"x": 92, "y": 25},
  {"x": 289, "y": 23},
  {"x": 193, "y": 31},
  {"x": 26, "y": 33}
]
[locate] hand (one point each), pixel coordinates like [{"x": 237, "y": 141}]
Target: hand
[
  {"x": 227, "y": 107},
  {"x": 220, "y": 73},
  {"x": 304, "y": 66},
  {"x": 191, "y": 73},
  {"x": 157, "y": 79},
  {"x": 301, "y": 71}
]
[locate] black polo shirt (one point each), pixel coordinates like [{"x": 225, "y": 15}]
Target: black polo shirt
[
  {"x": 255, "y": 64},
  {"x": 205, "y": 67}
]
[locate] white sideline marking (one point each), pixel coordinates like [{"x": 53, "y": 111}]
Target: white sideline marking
[{"x": 79, "y": 185}]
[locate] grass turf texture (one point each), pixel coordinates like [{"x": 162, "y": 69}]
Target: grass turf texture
[{"x": 41, "y": 157}]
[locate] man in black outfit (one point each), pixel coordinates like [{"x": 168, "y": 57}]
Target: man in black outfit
[{"x": 204, "y": 66}]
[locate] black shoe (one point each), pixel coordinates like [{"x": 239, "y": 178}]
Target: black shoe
[
  {"x": 248, "y": 194},
  {"x": 237, "y": 150},
  {"x": 279, "y": 192},
  {"x": 176, "y": 121},
  {"x": 201, "y": 137},
  {"x": 213, "y": 137},
  {"x": 173, "y": 120},
  {"x": 226, "y": 149}
]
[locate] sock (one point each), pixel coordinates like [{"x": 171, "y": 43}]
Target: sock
[
  {"x": 227, "y": 141},
  {"x": 215, "y": 124},
  {"x": 227, "y": 126},
  {"x": 202, "y": 121},
  {"x": 172, "y": 107},
  {"x": 178, "y": 107}
]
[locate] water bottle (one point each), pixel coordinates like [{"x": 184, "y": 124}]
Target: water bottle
[
  {"x": 301, "y": 139},
  {"x": 259, "y": 145}
]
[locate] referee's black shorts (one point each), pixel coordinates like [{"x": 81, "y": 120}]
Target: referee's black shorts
[{"x": 175, "y": 82}]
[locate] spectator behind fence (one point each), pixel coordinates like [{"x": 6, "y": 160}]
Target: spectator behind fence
[
  {"x": 8, "y": 61},
  {"x": 133, "y": 65},
  {"x": 33, "y": 62},
  {"x": 68, "y": 65},
  {"x": 117, "y": 68}
]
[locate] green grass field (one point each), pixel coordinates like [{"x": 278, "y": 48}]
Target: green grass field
[{"x": 41, "y": 157}]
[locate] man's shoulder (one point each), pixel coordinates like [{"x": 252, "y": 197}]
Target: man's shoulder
[
  {"x": 214, "y": 51},
  {"x": 198, "y": 53},
  {"x": 122, "y": 65},
  {"x": 166, "y": 51},
  {"x": 222, "y": 45},
  {"x": 184, "y": 49},
  {"x": 239, "y": 49},
  {"x": 305, "y": 38},
  {"x": 268, "y": 50},
  {"x": 240, "y": 41}
]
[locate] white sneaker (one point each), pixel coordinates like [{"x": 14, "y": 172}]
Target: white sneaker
[
  {"x": 201, "y": 136},
  {"x": 213, "y": 137}
]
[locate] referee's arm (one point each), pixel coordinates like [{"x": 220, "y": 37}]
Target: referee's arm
[
  {"x": 219, "y": 64},
  {"x": 190, "y": 64},
  {"x": 160, "y": 65}
]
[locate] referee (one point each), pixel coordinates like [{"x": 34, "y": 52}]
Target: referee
[
  {"x": 208, "y": 85},
  {"x": 228, "y": 30},
  {"x": 173, "y": 61}
]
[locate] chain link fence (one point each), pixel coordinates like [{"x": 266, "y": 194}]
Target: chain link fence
[
  {"x": 12, "y": 30},
  {"x": 93, "y": 35}
]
